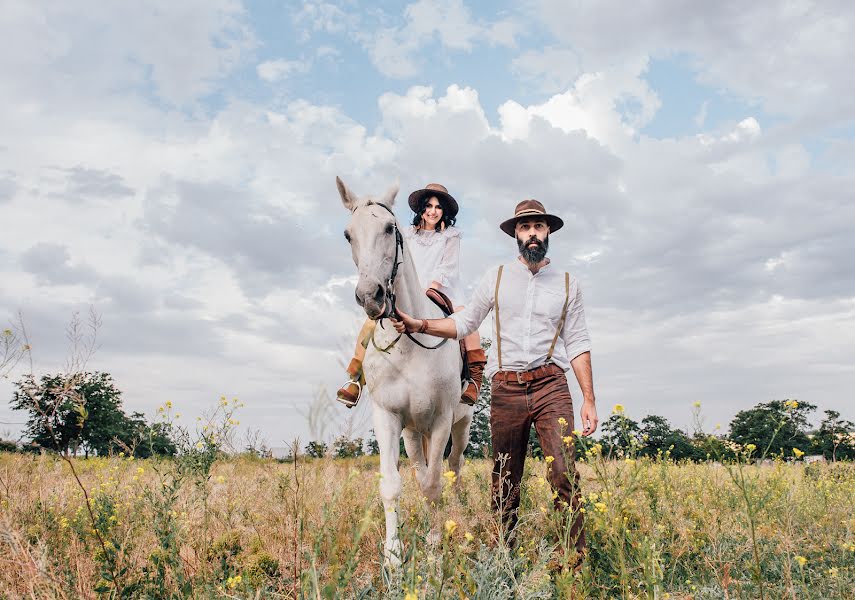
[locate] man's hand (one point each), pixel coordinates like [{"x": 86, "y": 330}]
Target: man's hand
[
  {"x": 589, "y": 418},
  {"x": 407, "y": 324}
]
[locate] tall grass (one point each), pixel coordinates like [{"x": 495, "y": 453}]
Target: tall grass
[{"x": 207, "y": 525}]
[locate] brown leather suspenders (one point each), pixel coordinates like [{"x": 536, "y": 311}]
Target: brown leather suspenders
[
  {"x": 557, "y": 330},
  {"x": 496, "y": 310},
  {"x": 563, "y": 315}
]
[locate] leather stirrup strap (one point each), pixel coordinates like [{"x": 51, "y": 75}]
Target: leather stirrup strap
[
  {"x": 496, "y": 310},
  {"x": 563, "y": 315}
]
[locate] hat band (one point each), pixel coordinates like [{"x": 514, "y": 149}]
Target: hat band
[{"x": 529, "y": 211}]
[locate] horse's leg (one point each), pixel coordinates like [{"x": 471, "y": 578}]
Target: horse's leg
[
  {"x": 387, "y": 428},
  {"x": 459, "y": 441},
  {"x": 413, "y": 442},
  {"x": 432, "y": 486}
]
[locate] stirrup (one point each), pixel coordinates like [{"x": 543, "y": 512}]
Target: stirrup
[{"x": 345, "y": 397}]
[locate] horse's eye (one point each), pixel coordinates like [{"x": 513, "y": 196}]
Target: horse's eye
[
  {"x": 390, "y": 228},
  {"x": 347, "y": 237}
]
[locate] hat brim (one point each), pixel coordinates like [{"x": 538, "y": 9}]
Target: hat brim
[
  {"x": 449, "y": 204},
  {"x": 554, "y": 223}
]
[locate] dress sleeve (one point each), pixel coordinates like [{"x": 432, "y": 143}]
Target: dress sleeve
[
  {"x": 575, "y": 331},
  {"x": 447, "y": 271}
]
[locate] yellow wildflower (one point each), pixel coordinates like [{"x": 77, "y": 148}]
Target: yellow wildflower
[
  {"x": 750, "y": 447},
  {"x": 562, "y": 421},
  {"x": 576, "y": 432},
  {"x": 618, "y": 409},
  {"x": 696, "y": 403},
  {"x": 791, "y": 404},
  {"x": 140, "y": 470},
  {"x": 567, "y": 439},
  {"x": 798, "y": 453},
  {"x": 450, "y": 526},
  {"x": 600, "y": 507},
  {"x": 221, "y": 479},
  {"x": 801, "y": 560},
  {"x": 169, "y": 404},
  {"x": 411, "y": 596},
  {"x": 549, "y": 460},
  {"x": 469, "y": 537},
  {"x": 450, "y": 477}
]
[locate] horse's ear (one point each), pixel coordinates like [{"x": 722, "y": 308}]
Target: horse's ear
[
  {"x": 347, "y": 197},
  {"x": 389, "y": 196}
]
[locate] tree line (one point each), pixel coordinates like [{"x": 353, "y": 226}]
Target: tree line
[{"x": 83, "y": 414}]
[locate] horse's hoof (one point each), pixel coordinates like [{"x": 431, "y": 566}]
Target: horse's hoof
[{"x": 392, "y": 555}]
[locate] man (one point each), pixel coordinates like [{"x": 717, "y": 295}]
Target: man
[{"x": 536, "y": 305}]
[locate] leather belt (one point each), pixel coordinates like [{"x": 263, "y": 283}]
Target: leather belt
[{"x": 522, "y": 377}]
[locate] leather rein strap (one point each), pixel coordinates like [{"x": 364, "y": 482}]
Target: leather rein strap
[{"x": 391, "y": 309}]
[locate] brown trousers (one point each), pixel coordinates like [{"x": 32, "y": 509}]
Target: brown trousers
[{"x": 514, "y": 408}]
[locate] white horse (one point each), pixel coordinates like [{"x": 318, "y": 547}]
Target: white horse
[{"x": 415, "y": 391}]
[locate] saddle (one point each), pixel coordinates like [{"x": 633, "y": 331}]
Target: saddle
[{"x": 445, "y": 305}]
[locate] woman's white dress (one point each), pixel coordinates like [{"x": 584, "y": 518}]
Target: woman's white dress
[{"x": 436, "y": 255}]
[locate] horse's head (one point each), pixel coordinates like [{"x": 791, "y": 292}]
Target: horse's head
[{"x": 371, "y": 233}]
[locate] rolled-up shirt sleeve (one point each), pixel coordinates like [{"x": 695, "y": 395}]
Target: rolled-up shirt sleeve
[
  {"x": 575, "y": 331},
  {"x": 470, "y": 318}
]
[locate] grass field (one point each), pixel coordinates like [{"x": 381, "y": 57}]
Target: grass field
[{"x": 246, "y": 527}]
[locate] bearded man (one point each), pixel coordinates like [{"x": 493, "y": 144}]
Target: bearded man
[{"x": 535, "y": 305}]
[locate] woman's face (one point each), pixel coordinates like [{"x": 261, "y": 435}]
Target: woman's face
[{"x": 432, "y": 213}]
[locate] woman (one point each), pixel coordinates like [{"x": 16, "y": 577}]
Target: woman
[{"x": 434, "y": 244}]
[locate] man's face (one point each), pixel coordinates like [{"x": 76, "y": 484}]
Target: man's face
[{"x": 532, "y": 239}]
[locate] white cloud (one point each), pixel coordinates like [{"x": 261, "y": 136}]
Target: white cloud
[
  {"x": 272, "y": 71},
  {"x": 393, "y": 50},
  {"x": 210, "y": 240},
  {"x": 792, "y": 57}
]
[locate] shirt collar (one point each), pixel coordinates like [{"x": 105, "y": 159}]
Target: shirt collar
[{"x": 521, "y": 265}]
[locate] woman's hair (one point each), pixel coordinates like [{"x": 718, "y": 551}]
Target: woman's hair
[{"x": 445, "y": 221}]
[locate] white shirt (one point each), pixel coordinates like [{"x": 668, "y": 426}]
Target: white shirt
[
  {"x": 529, "y": 312},
  {"x": 436, "y": 255}
]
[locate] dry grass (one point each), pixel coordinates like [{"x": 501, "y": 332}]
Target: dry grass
[{"x": 656, "y": 529}]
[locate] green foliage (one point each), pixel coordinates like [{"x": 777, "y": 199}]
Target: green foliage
[
  {"x": 775, "y": 427},
  {"x": 344, "y": 447},
  {"x": 83, "y": 412},
  {"x": 480, "y": 442},
  {"x": 658, "y": 438},
  {"x": 835, "y": 438},
  {"x": 316, "y": 449}
]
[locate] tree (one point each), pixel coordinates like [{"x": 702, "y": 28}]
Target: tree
[
  {"x": 480, "y": 442},
  {"x": 316, "y": 449},
  {"x": 658, "y": 437},
  {"x": 83, "y": 411},
  {"x": 372, "y": 446},
  {"x": 620, "y": 433},
  {"x": 779, "y": 426},
  {"x": 344, "y": 447},
  {"x": 834, "y": 438}
]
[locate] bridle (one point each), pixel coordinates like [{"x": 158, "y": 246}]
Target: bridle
[{"x": 390, "y": 308}]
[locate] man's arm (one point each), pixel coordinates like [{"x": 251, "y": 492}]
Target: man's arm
[
  {"x": 444, "y": 328},
  {"x": 462, "y": 323},
  {"x": 582, "y": 369}
]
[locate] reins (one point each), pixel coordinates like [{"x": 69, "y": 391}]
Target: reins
[{"x": 391, "y": 309}]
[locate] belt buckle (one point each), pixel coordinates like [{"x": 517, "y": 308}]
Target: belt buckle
[{"x": 519, "y": 377}]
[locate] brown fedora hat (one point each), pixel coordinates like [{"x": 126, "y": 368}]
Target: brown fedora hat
[
  {"x": 449, "y": 204},
  {"x": 531, "y": 209}
]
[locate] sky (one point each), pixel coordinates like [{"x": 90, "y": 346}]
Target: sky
[{"x": 172, "y": 167}]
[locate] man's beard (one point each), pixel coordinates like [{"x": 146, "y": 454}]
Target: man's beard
[{"x": 536, "y": 254}]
